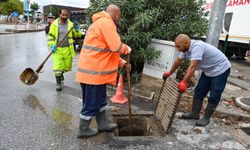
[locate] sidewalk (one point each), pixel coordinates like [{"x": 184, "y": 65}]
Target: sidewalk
[{"x": 224, "y": 126}]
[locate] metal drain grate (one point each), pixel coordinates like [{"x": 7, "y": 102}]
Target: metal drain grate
[{"x": 166, "y": 107}]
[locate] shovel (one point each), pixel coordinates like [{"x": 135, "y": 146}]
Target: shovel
[
  {"x": 132, "y": 128},
  {"x": 129, "y": 93},
  {"x": 29, "y": 76}
]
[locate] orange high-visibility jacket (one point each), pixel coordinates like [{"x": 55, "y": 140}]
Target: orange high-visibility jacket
[{"x": 100, "y": 55}]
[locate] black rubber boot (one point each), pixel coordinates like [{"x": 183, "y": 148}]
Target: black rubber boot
[
  {"x": 195, "y": 113},
  {"x": 58, "y": 83},
  {"x": 84, "y": 130},
  {"x": 205, "y": 120},
  {"x": 103, "y": 123},
  {"x": 62, "y": 79}
]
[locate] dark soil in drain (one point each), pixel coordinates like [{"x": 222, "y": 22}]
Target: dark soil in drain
[
  {"x": 134, "y": 130},
  {"x": 246, "y": 130},
  {"x": 138, "y": 128}
]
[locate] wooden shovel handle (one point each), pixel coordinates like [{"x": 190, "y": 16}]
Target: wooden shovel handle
[{"x": 129, "y": 91}]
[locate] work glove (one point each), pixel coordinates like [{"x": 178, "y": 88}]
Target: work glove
[
  {"x": 76, "y": 27},
  {"x": 166, "y": 75},
  {"x": 53, "y": 48},
  {"x": 182, "y": 86},
  {"x": 127, "y": 66},
  {"x": 129, "y": 50}
]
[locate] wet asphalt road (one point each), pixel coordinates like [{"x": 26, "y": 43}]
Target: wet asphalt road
[{"x": 37, "y": 117}]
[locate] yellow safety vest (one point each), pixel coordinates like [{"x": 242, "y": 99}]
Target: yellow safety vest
[{"x": 53, "y": 35}]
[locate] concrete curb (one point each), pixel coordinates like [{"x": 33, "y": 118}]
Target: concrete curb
[
  {"x": 234, "y": 115},
  {"x": 230, "y": 80},
  {"x": 23, "y": 31},
  {"x": 4, "y": 33},
  {"x": 242, "y": 105},
  {"x": 134, "y": 93}
]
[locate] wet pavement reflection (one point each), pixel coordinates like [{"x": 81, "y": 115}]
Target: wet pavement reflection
[{"x": 34, "y": 103}]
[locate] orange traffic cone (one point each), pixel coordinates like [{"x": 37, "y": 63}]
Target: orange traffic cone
[{"x": 119, "y": 95}]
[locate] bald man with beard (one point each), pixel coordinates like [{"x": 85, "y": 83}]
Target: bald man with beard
[
  {"x": 215, "y": 71},
  {"x": 98, "y": 66}
]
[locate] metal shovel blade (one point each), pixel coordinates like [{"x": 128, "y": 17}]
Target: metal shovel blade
[{"x": 29, "y": 76}]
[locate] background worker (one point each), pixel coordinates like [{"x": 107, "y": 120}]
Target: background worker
[
  {"x": 215, "y": 71},
  {"x": 62, "y": 55},
  {"x": 97, "y": 66}
]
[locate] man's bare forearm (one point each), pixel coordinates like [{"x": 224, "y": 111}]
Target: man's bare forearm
[
  {"x": 176, "y": 64},
  {"x": 191, "y": 70}
]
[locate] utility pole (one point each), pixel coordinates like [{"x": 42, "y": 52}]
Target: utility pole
[
  {"x": 28, "y": 13},
  {"x": 216, "y": 22},
  {"x": 50, "y": 8}
]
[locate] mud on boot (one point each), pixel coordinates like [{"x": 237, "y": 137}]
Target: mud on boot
[
  {"x": 205, "y": 120},
  {"x": 84, "y": 130},
  {"x": 195, "y": 113},
  {"x": 103, "y": 123}
]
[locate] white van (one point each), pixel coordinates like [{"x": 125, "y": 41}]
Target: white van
[{"x": 236, "y": 27}]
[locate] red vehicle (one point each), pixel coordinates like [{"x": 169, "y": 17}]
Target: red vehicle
[{"x": 49, "y": 19}]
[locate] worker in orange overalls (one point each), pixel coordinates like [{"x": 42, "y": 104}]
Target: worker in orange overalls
[{"x": 97, "y": 66}]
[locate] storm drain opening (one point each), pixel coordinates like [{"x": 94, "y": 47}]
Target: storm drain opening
[
  {"x": 141, "y": 126},
  {"x": 157, "y": 123}
]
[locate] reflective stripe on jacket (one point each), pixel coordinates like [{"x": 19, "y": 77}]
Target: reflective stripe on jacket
[
  {"x": 100, "y": 55},
  {"x": 53, "y": 35}
]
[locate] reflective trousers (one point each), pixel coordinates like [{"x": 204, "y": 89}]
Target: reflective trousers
[{"x": 62, "y": 60}]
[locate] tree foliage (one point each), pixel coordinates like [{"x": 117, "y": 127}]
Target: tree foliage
[
  {"x": 143, "y": 20},
  {"x": 9, "y": 6},
  {"x": 34, "y": 6}
]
